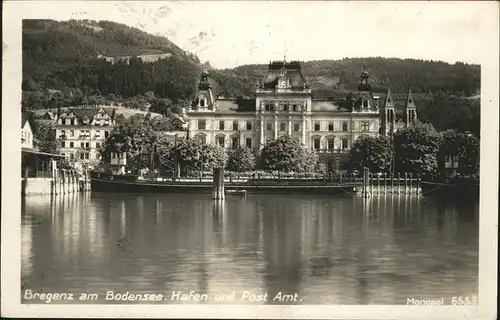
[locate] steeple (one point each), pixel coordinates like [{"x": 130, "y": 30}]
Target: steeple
[
  {"x": 364, "y": 85},
  {"x": 389, "y": 101},
  {"x": 204, "y": 84},
  {"x": 389, "y": 113},
  {"x": 410, "y": 108},
  {"x": 204, "y": 97}
]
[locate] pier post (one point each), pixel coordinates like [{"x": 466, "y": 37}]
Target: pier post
[
  {"x": 385, "y": 182},
  {"x": 406, "y": 182},
  {"x": 411, "y": 184},
  {"x": 63, "y": 181},
  {"x": 370, "y": 180},
  {"x": 399, "y": 183},
  {"x": 418, "y": 183},
  {"x": 378, "y": 184},
  {"x": 218, "y": 184},
  {"x": 366, "y": 177},
  {"x": 392, "y": 183}
]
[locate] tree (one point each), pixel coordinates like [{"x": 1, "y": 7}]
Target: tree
[
  {"x": 241, "y": 160},
  {"x": 287, "y": 154},
  {"x": 462, "y": 146},
  {"x": 468, "y": 160},
  {"x": 195, "y": 155},
  {"x": 130, "y": 136},
  {"x": 416, "y": 149},
  {"x": 45, "y": 133},
  {"x": 375, "y": 153}
]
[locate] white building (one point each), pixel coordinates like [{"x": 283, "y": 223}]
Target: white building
[
  {"x": 283, "y": 105},
  {"x": 26, "y": 131},
  {"x": 82, "y": 131}
]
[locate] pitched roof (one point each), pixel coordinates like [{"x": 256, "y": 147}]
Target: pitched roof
[
  {"x": 292, "y": 69},
  {"x": 81, "y": 113},
  {"x": 235, "y": 105},
  {"x": 27, "y": 116},
  {"x": 331, "y": 105}
]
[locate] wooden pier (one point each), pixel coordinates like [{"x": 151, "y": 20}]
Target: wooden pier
[{"x": 383, "y": 183}]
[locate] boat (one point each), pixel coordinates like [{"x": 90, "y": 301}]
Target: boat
[
  {"x": 455, "y": 188},
  {"x": 236, "y": 192}
]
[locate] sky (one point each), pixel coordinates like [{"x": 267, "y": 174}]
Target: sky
[{"x": 228, "y": 34}]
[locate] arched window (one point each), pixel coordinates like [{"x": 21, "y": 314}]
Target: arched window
[{"x": 202, "y": 102}]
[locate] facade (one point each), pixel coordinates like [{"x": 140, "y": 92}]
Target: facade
[
  {"x": 284, "y": 105},
  {"x": 82, "y": 131},
  {"x": 26, "y": 131}
]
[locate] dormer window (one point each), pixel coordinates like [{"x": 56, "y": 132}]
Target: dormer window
[
  {"x": 202, "y": 102},
  {"x": 365, "y": 104}
]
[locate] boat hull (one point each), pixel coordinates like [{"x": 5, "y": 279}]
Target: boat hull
[
  {"x": 121, "y": 186},
  {"x": 455, "y": 191}
]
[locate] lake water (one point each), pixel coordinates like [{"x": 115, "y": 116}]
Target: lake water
[{"x": 316, "y": 249}]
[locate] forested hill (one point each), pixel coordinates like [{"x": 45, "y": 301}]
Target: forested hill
[
  {"x": 399, "y": 74},
  {"x": 90, "y": 58},
  {"x": 69, "y": 63}
]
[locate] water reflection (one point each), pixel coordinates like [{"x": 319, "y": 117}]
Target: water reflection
[{"x": 339, "y": 250}]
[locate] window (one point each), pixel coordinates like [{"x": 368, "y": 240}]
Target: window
[
  {"x": 317, "y": 143},
  {"x": 345, "y": 126},
  {"x": 72, "y": 133},
  {"x": 249, "y": 125},
  {"x": 72, "y": 156},
  {"x": 71, "y": 144},
  {"x": 330, "y": 126},
  {"x": 294, "y": 107},
  {"x": 97, "y": 144},
  {"x": 98, "y": 133},
  {"x": 296, "y": 126},
  {"x": 268, "y": 107},
  {"x": 68, "y": 121},
  {"x": 87, "y": 145},
  {"x": 345, "y": 144},
  {"x": 235, "y": 125},
  {"x": 202, "y": 102},
  {"x": 106, "y": 133},
  {"x": 221, "y": 125},
  {"x": 82, "y": 145},
  {"x": 282, "y": 126},
  {"x": 365, "y": 104},
  {"x": 365, "y": 125},
  {"x": 86, "y": 156},
  {"x": 202, "y": 124},
  {"x": 316, "y": 126},
  {"x": 248, "y": 142},
  {"x": 220, "y": 141},
  {"x": 285, "y": 107},
  {"x": 63, "y": 134},
  {"x": 82, "y": 156},
  {"x": 234, "y": 143},
  {"x": 331, "y": 144},
  {"x": 269, "y": 126}
]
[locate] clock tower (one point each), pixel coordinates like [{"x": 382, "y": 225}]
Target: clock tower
[{"x": 283, "y": 79}]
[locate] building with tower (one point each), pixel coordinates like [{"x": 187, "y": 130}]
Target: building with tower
[{"x": 283, "y": 104}]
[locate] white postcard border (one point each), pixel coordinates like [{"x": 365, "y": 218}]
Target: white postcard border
[{"x": 15, "y": 11}]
